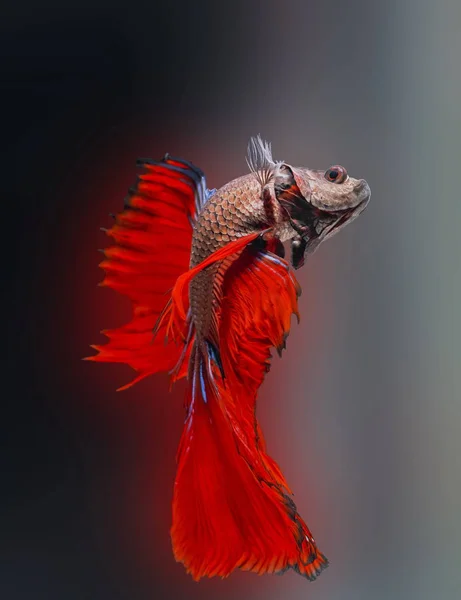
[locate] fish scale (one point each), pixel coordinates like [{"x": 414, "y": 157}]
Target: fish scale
[{"x": 235, "y": 210}]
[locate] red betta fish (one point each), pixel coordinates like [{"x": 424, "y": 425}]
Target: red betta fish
[{"x": 212, "y": 294}]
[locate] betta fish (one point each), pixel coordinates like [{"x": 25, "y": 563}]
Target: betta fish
[{"x": 212, "y": 295}]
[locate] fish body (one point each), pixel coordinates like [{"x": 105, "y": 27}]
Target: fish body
[
  {"x": 235, "y": 210},
  {"x": 221, "y": 254}
]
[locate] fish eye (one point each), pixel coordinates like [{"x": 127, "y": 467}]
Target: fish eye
[{"x": 336, "y": 174}]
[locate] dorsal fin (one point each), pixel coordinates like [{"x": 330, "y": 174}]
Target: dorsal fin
[
  {"x": 260, "y": 161},
  {"x": 202, "y": 193}
]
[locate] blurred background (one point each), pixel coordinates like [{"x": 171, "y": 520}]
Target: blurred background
[{"x": 363, "y": 412}]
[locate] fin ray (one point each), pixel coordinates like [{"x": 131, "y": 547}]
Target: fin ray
[{"x": 152, "y": 240}]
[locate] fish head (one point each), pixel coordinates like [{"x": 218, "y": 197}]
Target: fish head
[{"x": 319, "y": 203}]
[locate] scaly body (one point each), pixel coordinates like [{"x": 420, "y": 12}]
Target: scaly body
[{"x": 235, "y": 210}]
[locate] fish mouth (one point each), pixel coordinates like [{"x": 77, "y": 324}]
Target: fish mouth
[
  {"x": 362, "y": 189},
  {"x": 343, "y": 216}
]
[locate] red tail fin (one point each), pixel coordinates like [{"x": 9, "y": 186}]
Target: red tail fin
[
  {"x": 224, "y": 515},
  {"x": 231, "y": 508}
]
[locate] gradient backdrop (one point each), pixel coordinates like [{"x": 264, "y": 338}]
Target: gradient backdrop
[{"x": 363, "y": 413}]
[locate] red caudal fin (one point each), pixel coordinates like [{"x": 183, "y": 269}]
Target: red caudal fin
[
  {"x": 231, "y": 505},
  {"x": 153, "y": 237}
]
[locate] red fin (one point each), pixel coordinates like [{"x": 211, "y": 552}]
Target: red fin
[
  {"x": 180, "y": 287},
  {"x": 231, "y": 508},
  {"x": 153, "y": 237}
]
